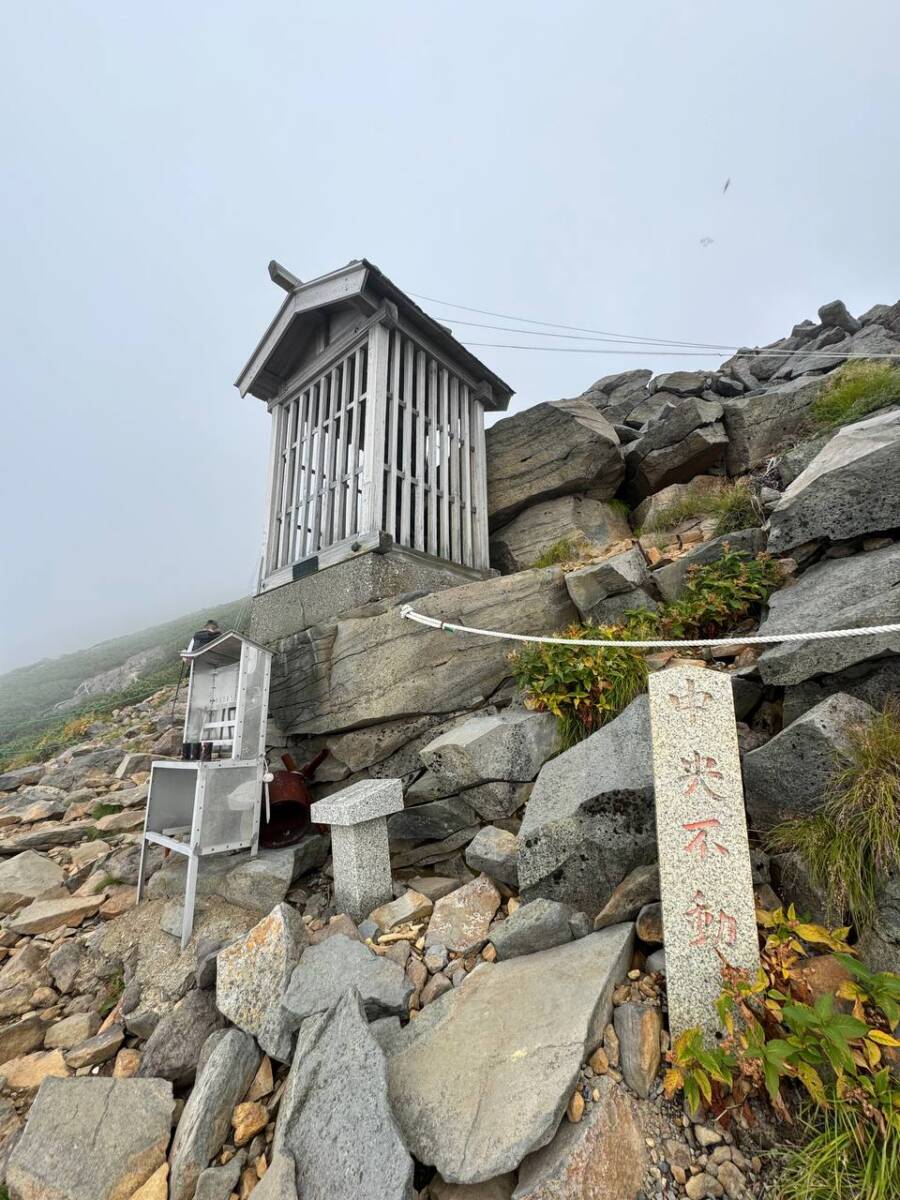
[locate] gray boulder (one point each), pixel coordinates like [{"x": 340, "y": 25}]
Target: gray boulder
[
  {"x": 671, "y": 578},
  {"x": 503, "y": 1053},
  {"x": 796, "y": 458},
  {"x": 217, "y": 1183},
  {"x": 851, "y": 487},
  {"x": 590, "y": 819},
  {"x": 335, "y": 1119},
  {"x": 330, "y": 969},
  {"x": 841, "y": 593},
  {"x": 175, "y": 1044},
  {"x": 789, "y": 775},
  {"x": 589, "y": 526},
  {"x": 538, "y": 925},
  {"x": 252, "y": 974},
  {"x": 875, "y": 682},
  {"x": 685, "y": 440},
  {"x": 681, "y": 383},
  {"x": 547, "y": 450},
  {"x": 22, "y": 777},
  {"x": 25, "y": 877},
  {"x": 835, "y": 314},
  {"x": 511, "y": 746},
  {"x": 760, "y": 424},
  {"x": 378, "y": 668},
  {"x": 206, "y": 1119},
  {"x": 91, "y": 1139},
  {"x": 494, "y": 851},
  {"x": 260, "y": 883},
  {"x": 432, "y": 821},
  {"x": 624, "y": 578}
]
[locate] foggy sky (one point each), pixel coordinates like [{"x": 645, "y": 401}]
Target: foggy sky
[{"x": 558, "y": 161}]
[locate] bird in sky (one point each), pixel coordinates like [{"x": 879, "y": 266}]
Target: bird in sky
[
  {"x": 727, "y": 185},
  {"x": 706, "y": 241}
]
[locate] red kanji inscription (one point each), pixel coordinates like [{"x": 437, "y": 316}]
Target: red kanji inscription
[
  {"x": 704, "y": 919},
  {"x": 700, "y": 769},
  {"x": 700, "y": 829}
]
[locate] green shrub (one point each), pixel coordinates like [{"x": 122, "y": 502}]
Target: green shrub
[
  {"x": 854, "y": 838},
  {"x": 584, "y": 687},
  {"x": 809, "y": 1056},
  {"x": 856, "y": 390},
  {"x": 559, "y": 552},
  {"x": 719, "y": 595}
]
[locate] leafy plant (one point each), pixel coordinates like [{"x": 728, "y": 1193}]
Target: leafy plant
[
  {"x": 559, "y": 552},
  {"x": 856, "y": 390},
  {"x": 778, "y": 1038},
  {"x": 584, "y": 687},
  {"x": 115, "y": 986},
  {"x": 719, "y": 595},
  {"x": 854, "y": 838}
]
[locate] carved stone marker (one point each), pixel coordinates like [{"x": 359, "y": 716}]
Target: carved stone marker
[
  {"x": 359, "y": 843},
  {"x": 701, "y": 829}
]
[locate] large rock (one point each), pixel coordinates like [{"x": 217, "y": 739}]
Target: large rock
[
  {"x": 548, "y": 450},
  {"x": 175, "y": 1044},
  {"x": 649, "y": 510},
  {"x": 332, "y": 968},
  {"x": 603, "y": 591},
  {"x": 26, "y": 877},
  {"x": 22, "y": 777},
  {"x": 335, "y": 1119},
  {"x": 511, "y": 746},
  {"x": 842, "y": 593},
  {"x": 760, "y": 424},
  {"x": 379, "y": 668},
  {"x": 91, "y": 1139},
  {"x": 789, "y": 776},
  {"x": 41, "y": 916},
  {"x": 589, "y": 526},
  {"x": 602, "y": 1157},
  {"x": 876, "y": 682},
  {"x": 45, "y": 836},
  {"x": 206, "y": 1120},
  {"x": 835, "y": 314},
  {"x": 589, "y": 820},
  {"x": 252, "y": 974},
  {"x": 686, "y": 439},
  {"x": 850, "y": 488},
  {"x": 538, "y": 925},
  {"x": 431, "y": 821},
  {"x": 639, "y": 887},
  {"x": 494, "y": 851},
  {"x": 671, "y": 578},
  {"x": 460, "y": 921},
  {"x": 502, "y": 1053}
]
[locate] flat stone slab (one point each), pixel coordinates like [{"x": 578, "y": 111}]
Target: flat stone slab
[
  {"x": 26, "y": 877},
  {"x": 502, "y": 1053},
  {"x": 704, "y": 857},
  {"x": 92, "y": 1139},
  {"x": 363, "y": 801},
  {"x": 44, "y": 915}
]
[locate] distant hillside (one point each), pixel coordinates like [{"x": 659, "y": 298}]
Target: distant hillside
[{"x": 129, "y": 668}]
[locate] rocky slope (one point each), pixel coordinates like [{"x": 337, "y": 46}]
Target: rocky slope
[{"x": 496, "y": 1031}]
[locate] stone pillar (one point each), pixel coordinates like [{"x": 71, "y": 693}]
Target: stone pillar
[
  {"x": 359, "y": 843},
  {"x": 704, "y": 858}
]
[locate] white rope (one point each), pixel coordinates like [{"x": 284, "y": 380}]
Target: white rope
[{"x": 409, "y": 614}]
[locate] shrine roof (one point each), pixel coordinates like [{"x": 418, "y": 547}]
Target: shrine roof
[{"x": 358, "y": 287}]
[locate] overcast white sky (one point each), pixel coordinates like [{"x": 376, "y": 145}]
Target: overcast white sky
[{"x": 556, "y": 160}]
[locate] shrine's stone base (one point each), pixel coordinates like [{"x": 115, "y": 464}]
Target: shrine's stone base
[{"x": 331, "y": 592}]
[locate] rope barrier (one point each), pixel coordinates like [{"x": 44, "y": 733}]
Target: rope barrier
[{"x": 408, "y": 613}]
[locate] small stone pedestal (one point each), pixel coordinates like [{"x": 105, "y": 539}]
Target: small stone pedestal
[{"x": 359, "y": 843}]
